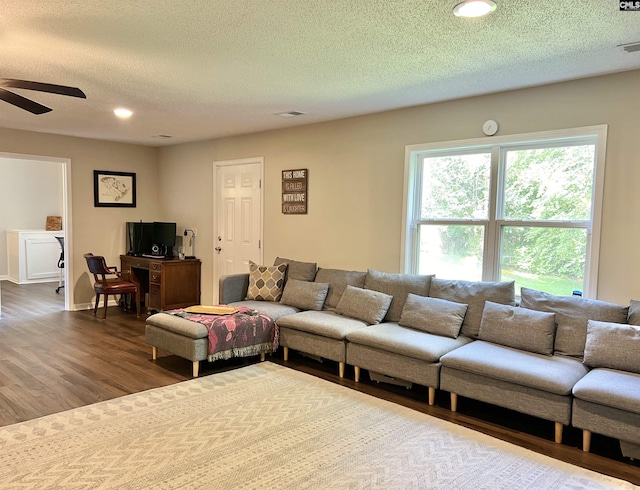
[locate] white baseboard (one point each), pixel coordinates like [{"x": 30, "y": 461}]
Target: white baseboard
[{"x": 89, "y": 306}]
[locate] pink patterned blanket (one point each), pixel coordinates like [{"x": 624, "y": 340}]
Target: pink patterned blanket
[{"x": 241, "y": 334}]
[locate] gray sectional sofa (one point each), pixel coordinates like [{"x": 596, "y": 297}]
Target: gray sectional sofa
[{"x": 569, "y": 360}]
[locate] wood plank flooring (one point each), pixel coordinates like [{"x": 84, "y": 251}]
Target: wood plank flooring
[{"x": 52, "y": 360}]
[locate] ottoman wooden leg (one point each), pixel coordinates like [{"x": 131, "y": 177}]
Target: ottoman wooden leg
[
  {"x": 286, "y": 353},
  {"x": 356, "y": 369},
  {"x": 154, "y": 352},
  {"x": 196, "y": 367},
  {"x": 341, "y": 369}
]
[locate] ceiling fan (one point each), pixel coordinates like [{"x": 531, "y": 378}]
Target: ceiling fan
[{"x": 28, "y": 104}]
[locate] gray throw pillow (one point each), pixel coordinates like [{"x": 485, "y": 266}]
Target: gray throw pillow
[
  {"x": 365, "y": 305},
  {"x": 634, "y": 312},
  {"x": 613, "y": 346},
  {"x": 338, "y": 280},
  {"x": 398, "y": 286},
  {"x": 265, "y": 283},
  {"x": 473, "y": 294},
  {"x": 304, "y": 295},
  {"x": 572, "y": 314},
  {"x": 302, "y": 271},
  {"x": 516, "y": 327},
  {"x": 433, "y": 315}
]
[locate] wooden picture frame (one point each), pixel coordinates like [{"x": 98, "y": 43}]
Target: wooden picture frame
[{"x": 114, "y": 189}]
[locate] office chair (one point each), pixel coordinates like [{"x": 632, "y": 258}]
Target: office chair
[
  {"x": 60, "y": 263},
  {"x": 118, "y": 285}
]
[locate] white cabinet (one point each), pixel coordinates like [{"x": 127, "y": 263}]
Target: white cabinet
[{"x": 32, "y": 256}]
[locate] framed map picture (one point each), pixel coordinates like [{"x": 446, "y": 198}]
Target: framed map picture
[{"x": 114, "y": 189}]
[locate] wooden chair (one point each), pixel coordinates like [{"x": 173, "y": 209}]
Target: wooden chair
[{"x": 117, "y": 285}]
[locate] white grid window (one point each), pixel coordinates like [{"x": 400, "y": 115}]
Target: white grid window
[{"x": 523, "y": 208}]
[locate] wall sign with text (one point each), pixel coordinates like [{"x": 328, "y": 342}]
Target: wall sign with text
[{"x": 294, "y": 191}]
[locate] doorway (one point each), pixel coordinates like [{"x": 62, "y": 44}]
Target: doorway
[
  {"x": 31, "y": 178},
  {"x": 238, "y": 216}
]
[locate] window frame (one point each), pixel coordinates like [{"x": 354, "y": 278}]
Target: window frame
[{"x": 498, "y": 146}]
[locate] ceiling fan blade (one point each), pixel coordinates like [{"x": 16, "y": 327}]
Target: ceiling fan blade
[
  {"x": 43, "y": 87},
  {"x": 23, "y": 103}
]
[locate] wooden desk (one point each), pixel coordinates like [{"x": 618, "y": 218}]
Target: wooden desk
[{"x": 170, "y": 283}]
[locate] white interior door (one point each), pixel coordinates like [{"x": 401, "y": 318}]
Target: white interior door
[{"x": 238, "y": 212}]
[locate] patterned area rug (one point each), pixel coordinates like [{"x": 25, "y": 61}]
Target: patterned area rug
[{"x": 266, "y": 426}]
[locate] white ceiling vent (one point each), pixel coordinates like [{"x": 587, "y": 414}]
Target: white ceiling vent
[
  {"x": 290, "y": 114},
  {"x": 631, "y": 47}
]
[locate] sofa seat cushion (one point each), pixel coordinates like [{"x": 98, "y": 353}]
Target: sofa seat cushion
[
  {"x": 270, "y": 308},
  {"x": 178, "y": 325},
  {"x": 324, "y": 323},
  {"x": 554, "y": 374},
  {"x": 405, "y": 341},
  {"x": 616, "y": 389}
]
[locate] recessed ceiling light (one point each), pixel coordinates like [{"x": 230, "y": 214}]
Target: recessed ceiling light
[
  {"x": 123, "y": 113},
  {"x": 474, "y": 8}
]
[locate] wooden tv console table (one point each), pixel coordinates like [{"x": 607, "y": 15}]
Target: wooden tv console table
[{"x": 170, "y": 283}]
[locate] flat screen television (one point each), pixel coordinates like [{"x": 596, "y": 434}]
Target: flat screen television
[{"x": 156, "y": 238}]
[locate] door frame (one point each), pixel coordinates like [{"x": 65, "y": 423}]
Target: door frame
[
  {"x": 216, "y": 166},
  {"x": 66, "y": 216}
]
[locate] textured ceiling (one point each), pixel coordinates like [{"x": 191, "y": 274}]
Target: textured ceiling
[{"x": 201, "y": 69}]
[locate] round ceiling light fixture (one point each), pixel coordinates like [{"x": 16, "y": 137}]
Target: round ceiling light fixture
[
  {"x": 122, "y": 113},
  {"x": 474, "y": 8}
]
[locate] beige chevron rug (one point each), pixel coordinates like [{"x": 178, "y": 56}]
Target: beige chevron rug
[{"x": 268, "y": 427}]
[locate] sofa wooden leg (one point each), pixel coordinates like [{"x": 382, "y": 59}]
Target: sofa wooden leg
[
  {"x": 559, "y": 428},
  {"x": 154, "y": 352},
  {"x": 286, "y": 353},
  {"x": 196, "y": 368},
  {"x": 262, "y": 357},
  {"x": 432, "y": 395},
  {"x": 454, "y": 402},
  {"x": 586, "y": 440},
  {"x": 341, "y": 369},
  {"x": 356, "y": 370}
]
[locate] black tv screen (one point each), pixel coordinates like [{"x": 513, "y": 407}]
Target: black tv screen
[
  {"x": 164, "y": 234},
  {"x": 141, "y": 238}
]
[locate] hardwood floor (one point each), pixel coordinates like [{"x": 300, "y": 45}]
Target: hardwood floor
[{"x": 52, "y": 360}]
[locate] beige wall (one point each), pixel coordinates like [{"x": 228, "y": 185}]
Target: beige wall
[
  {"x": 356, "y": 170},
  {"x": 97, "y": 230}
]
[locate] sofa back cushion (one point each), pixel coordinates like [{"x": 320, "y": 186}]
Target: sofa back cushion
[
  {"x": 304, "y": 294},
  {"x": 265, "y": 282},
  {"x": 362, "y": 304},
  {"x": 530, "y": 330},
  {"x": 634, "y": 312},
  {"x": 473, "y": 294},
  {"x": 338, "y": 280},
  {"x": 301, "y": 271},
  {"x": 572, "y": 315},
  {"x": 398, "y": 286},
  {"x": 613, "y": 346},
  {"x": 433, "y": 315}
]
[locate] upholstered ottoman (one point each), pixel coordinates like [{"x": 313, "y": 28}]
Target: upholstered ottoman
[{"x": 191, "y": 339}]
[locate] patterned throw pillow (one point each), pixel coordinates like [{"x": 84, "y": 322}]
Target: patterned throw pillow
[{"x": 265, "y": 283}]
